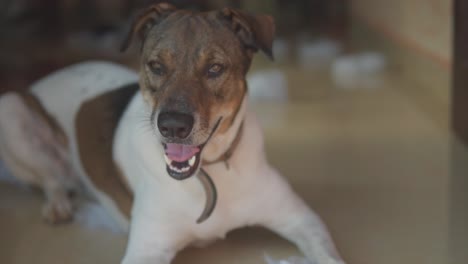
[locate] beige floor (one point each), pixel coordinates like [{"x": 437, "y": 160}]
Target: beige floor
[{"x": 369, "y": 161}]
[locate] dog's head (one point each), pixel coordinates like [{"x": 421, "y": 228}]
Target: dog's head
[{"x": 192, "y": 74}]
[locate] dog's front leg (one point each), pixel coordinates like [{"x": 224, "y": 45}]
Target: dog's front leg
[
  {"x": 153, "y": 239},
  {"x": 286, "y": 214}
]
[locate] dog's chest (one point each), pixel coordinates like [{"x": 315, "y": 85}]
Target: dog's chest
[
  {"x": 179, "y": 204},
  {"x": 235, "y": 202}
]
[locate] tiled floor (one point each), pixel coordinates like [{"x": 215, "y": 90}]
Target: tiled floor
[{"x": 368, "y": 160}]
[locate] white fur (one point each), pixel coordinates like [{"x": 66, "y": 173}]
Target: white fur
[
  {"x": 165, "y": 210},
  {"x": 94, "y": 216}
]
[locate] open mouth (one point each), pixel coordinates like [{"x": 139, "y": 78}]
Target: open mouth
[{"x": 181, "y": 160}]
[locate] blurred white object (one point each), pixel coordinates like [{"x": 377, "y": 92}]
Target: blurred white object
[
  {"x": 268, "y": 85},
  {"x": 318, "y": 53},
  {"x": 290, "y": 260},
  {"x": 269, "y": 88},
  {"x": 362, "y": 70}
]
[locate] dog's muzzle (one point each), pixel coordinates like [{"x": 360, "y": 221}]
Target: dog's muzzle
[{"x": 182, "y": 160}]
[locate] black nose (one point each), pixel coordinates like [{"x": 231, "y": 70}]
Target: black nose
[{"x": 175, "y": 125}]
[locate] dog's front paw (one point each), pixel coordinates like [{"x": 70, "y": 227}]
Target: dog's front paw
[{"x": 57, "y": 211}]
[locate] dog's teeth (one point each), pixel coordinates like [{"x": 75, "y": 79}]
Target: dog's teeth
[
  {"x": 192, "y": 161},
  {"x": 173, "y": 168},
  {"x": 168, "y": 161}
]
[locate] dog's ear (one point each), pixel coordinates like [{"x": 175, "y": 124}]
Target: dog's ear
[
  {"x": 145, "y": 20},
  {"x": 255, "y": 31}
]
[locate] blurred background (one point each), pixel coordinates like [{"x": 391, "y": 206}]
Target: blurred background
[{"x": 360, "y": 109}]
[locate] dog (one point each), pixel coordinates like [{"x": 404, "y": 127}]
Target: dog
[{"x": 136, "y": 142}]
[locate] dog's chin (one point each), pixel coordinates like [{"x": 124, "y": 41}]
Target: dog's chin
[{"x": 185, "y": 168}]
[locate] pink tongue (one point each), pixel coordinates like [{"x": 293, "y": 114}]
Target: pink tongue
[{"x": 179, "y": 152}]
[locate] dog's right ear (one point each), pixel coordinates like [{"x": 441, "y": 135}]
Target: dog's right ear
[
  {"x": 256, "y": 32},
  {"x": 145, "y": 20}
]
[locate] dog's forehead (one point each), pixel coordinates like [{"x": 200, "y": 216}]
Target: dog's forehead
[{"x": 200, "y": 31}]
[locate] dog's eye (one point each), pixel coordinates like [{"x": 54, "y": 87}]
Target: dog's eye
[
  {"x": 215, "y": 70},
  {"x": 156, "y": 68}
]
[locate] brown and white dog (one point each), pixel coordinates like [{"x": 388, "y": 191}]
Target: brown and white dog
[{"x": 136, "y": 146}]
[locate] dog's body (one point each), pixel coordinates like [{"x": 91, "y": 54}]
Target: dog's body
[{"x": 164, "y": 211}]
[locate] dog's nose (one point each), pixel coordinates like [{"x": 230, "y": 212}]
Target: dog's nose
[{"x": 175, "y": 125}]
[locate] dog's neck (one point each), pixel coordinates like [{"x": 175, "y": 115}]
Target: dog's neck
[
  {"x": 230, "y": 151},
  {"x": 222, "y": 146}
]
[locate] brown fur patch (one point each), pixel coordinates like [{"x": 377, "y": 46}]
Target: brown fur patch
[
  {"x": 33, "y": 103},
  {"x": 232, "y": 106},
  {"x": 96, "y": 123}
]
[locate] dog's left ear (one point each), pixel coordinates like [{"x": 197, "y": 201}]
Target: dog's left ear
[
  {"x": 145, "y": 20},
  {"x": 255, "y": 31}
]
